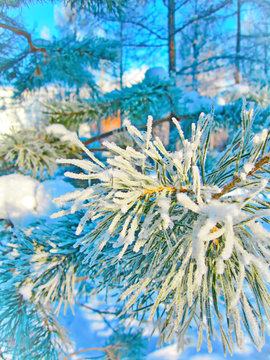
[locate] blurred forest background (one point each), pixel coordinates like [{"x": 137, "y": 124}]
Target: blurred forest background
[{"x": 135, "y": 58}]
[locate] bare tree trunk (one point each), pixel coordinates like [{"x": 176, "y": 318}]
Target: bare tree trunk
[
  {"x": 171, "y": 36},
  {"x": 238, "y": 43}
]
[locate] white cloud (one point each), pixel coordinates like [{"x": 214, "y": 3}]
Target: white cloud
[
  {"x": 166, "y": 353},
  {"x": 130, "y": 77},
  {"x": 105, "y": 333},
  {"x": 45, "y": 33},
  {"x": 98, "y": 325}
]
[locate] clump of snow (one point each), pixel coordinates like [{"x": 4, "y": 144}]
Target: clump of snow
[
  {"x": 84, "y": 131},
  {"x": 164, "y": 203},
  {"x": 133, "y": 76},
  {"x": 247, "y": 349},
  {"x": 26, "y": 291},
  {"x": 260, "y": 138},
  {"x": 220, "y": 100},
  {"x": 248, "y": 166},
  {"x": 24, "y": 199},
  {"x": 155, "y": 75},
  {"x": 61, "y": 132},
  {"x": 231, "y": 93},
  {"x": 26, "y": 112},
  {"x": 193, "y": 102},
  {"x": 219, "y": 211},
  {"x": 45, "y": 33},
  {"x": 240, "y": 89}
]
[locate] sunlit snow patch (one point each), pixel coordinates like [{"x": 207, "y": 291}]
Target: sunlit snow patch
[
  {"x": 24, "y": 199},
  {"x": 61, "y": 132}
]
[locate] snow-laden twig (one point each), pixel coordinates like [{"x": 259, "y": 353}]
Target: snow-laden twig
[{"x": 171, "y": 232}]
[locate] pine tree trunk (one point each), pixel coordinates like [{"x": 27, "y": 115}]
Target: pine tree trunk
[
  {"x": 121, "y": 64},
  {"x": 121, "y": 54},
  {"x": 171, "y": 36}
]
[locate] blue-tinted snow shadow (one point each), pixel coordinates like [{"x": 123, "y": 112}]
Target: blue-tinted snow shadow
[{"x": 87, "y": 329}]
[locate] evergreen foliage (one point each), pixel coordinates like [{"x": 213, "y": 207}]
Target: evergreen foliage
[
  {"x": 40, "y": 270},
  {"x": 161, "y": 98},
  {"x": 65, "y": 61},
  {"x": 177, "y": 239},
  {"x": 230, "y": 115},
  {"x": 70, "y": 60},
  {"x": 29, "y": 329},
  {"x": 96, "y": 6},
  {"x": 34, "y": 151},
  {"x": 131, "y": 344},
  {"x": 72, "y": 113}
]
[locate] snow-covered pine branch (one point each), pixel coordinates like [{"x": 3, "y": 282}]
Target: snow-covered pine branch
[
  {"x": 35, "y": 150},
  {"x": 179, "y": 239}
]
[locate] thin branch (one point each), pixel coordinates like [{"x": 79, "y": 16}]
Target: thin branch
[
  {"x": 219, "y": 57},
  {"x": 255, "y": 36},
  {"x": 124, "y": 129},
  {"x": 166, "y": 188},
  {"x": 82, "y": 278},
  {"x": 72, "y": 113},
  {"x": 11, "y": 62},
  {"x": 33, "y": 48},
  {"x": 204, "y": 14},
  {"x": 83, "y": 350},
  {"x": 97, "y": 149},
  {"x": 107, "y": 350},
  {"x": 208, "y": 69},
  {"x": 231, "y": 185},
  {"x": 101, "y": 312},
  {"x": 143, "y": 26},
  {"x": 146, "y": 45}
]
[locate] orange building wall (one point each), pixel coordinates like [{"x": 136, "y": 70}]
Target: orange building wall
[{"x": 110, "y": 123}]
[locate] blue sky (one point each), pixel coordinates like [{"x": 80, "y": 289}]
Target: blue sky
[
  {"x": 40, "y": 21},
  {"x": 38, "y": 17}
]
